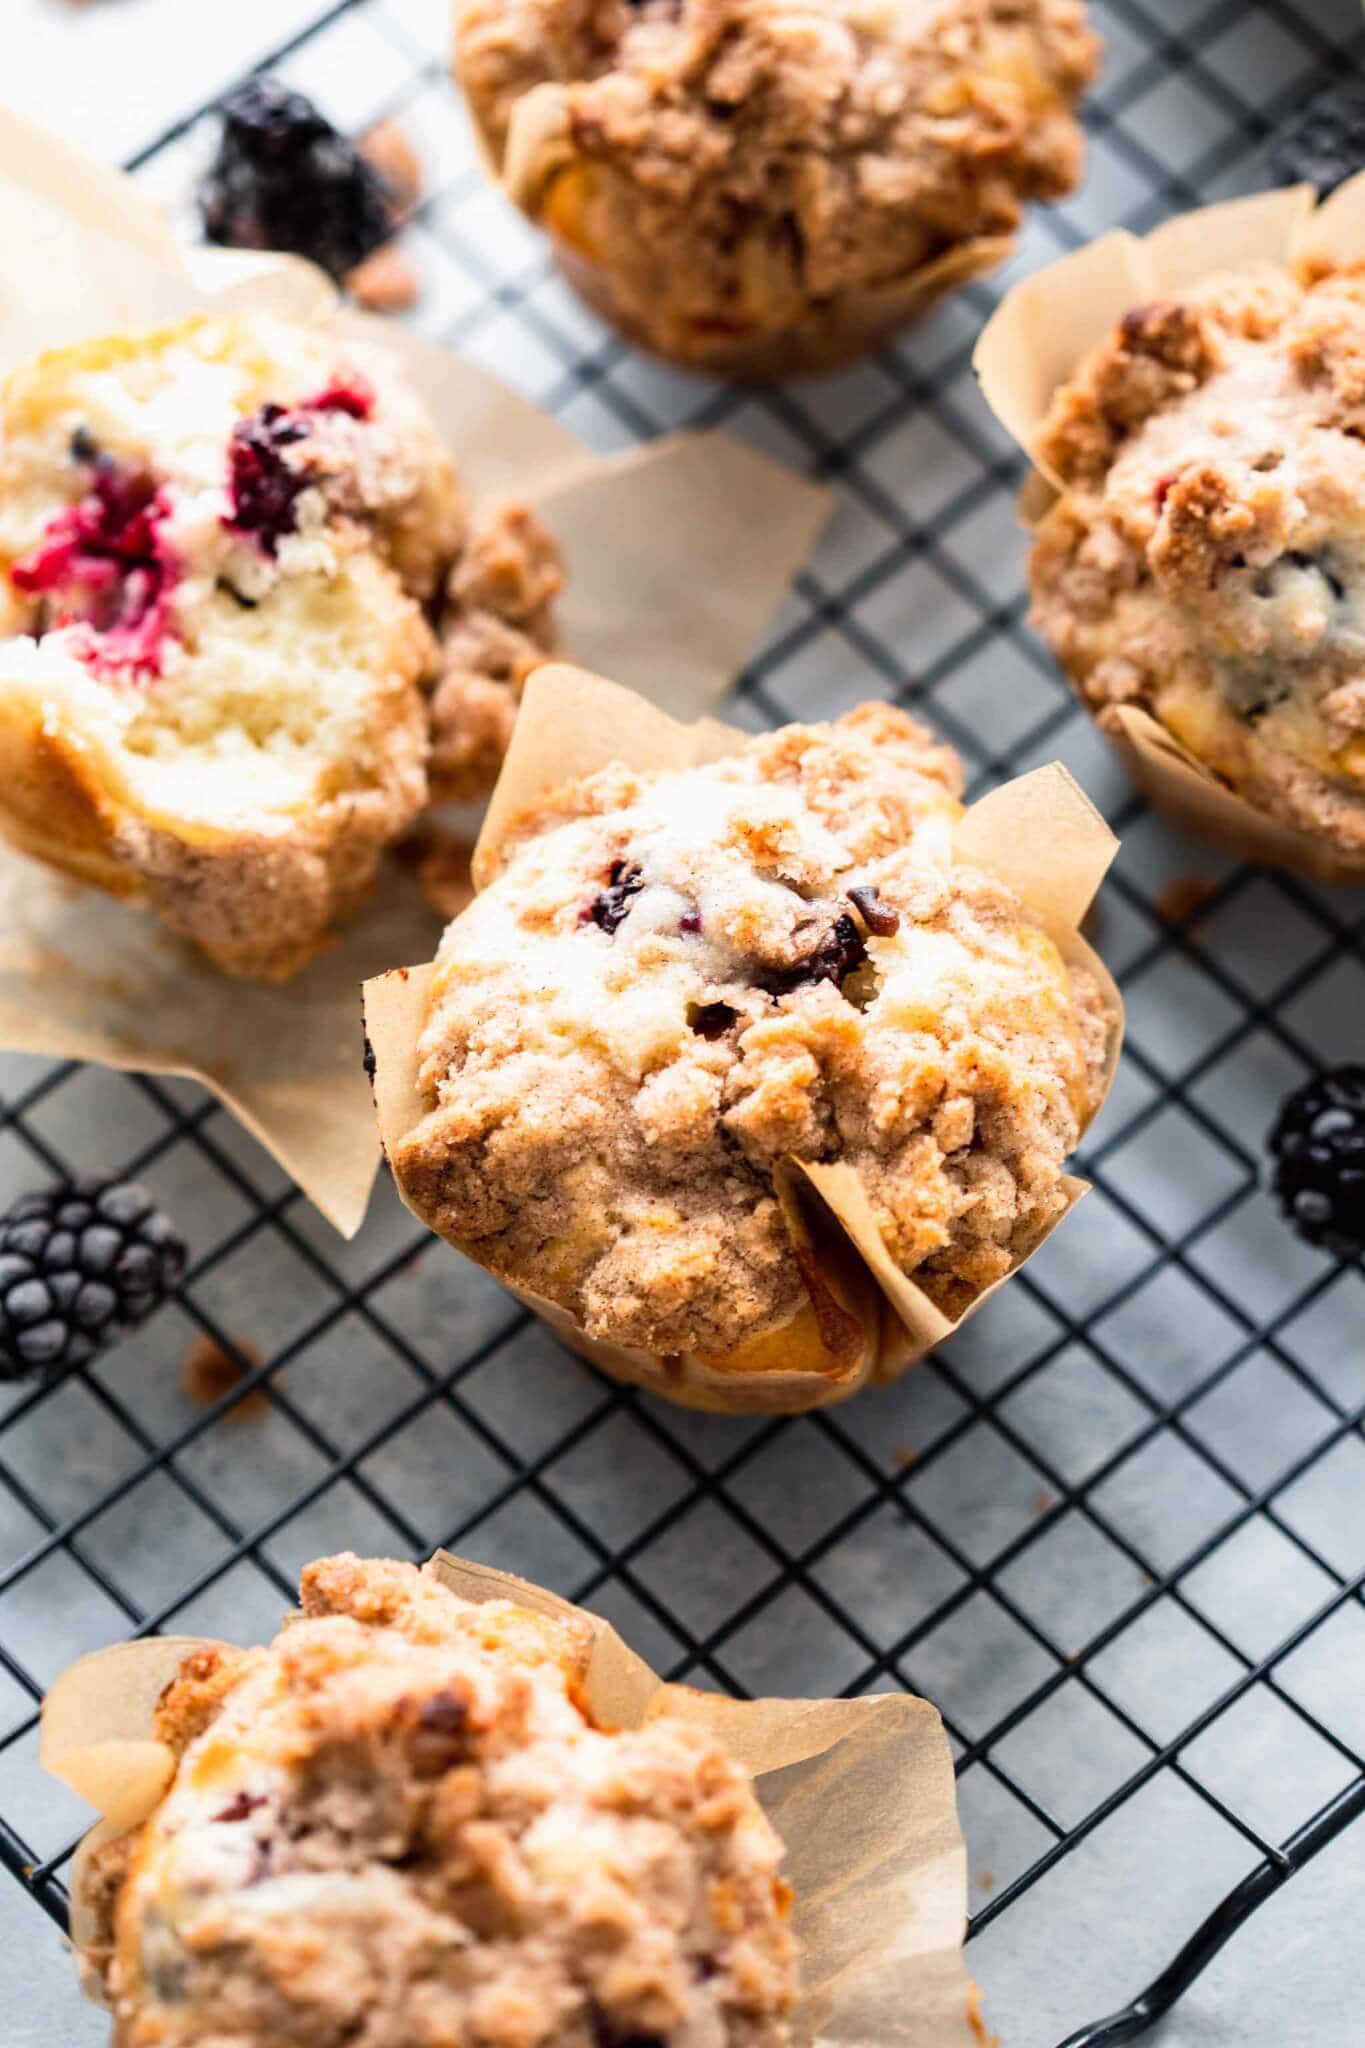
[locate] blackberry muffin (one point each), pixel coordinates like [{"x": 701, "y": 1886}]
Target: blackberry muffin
[
  {"x": 398, "y": 1822},
  {"x": 215, "y": 541},
  {"x": 679, "y": 983},
  {"x": 1205, "y": 559},
  {"x": 758, "y": 187}
]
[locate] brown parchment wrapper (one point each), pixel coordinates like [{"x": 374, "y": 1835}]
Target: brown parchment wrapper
[
  {"x": 676, "y": 555},
  {"x": 828, "y": 333},
  {"x": 860, "y": 1790},
  {"x": 1034, "y": 343},
  {"x": 866, "y": 1322}
]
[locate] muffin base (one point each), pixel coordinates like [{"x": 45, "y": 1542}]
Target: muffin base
[{"x": 834, "y": 332}]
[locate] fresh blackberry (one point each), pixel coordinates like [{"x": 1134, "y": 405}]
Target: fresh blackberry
[
  {"x": 1323, "y": 144},
  {"x": 1319, "y": 1147},
  {"x": 80, "y": 1266},
  {"x": 283, "y": 178}
]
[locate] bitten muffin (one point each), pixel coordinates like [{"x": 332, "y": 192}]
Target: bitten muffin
[
  {"x": 213, "y": 543},
  {"x": 679, "y": 981},
  {"x": 755, "y": 186},
  {"x": 1205, "y": 560},
  {"x": 398, "y": 1824}
]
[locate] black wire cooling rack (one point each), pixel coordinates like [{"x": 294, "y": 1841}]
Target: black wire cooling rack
[{"x": 1114, "y": 1528}]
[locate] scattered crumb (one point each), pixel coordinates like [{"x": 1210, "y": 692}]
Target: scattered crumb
[
  {"x": 981, "y": 2033},
  {"x": 385, "y": 282},
  {"x": 397, "y": 162},
  {"x": 441, "y": 862},
  {"x": 904, "y": 1457},
  {"x": 1043, "y": 1501},
  {"x": 210, "y": 1373},
  {"x": 1183, "y": 899},
  {"x": 985, "y": 1881}
]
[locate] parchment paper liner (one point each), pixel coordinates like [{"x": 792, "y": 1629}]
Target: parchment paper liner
[
  {"x": 676, "y": 554},
  {"x": 829, "y": 333},
  {"x": 1033, "y": 344},
  {"x": 1039, "y": 833},
  {"x": 860, "y": 1790}
]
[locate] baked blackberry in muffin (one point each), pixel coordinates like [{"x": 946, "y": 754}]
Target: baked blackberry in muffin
[
  {"x": 679, "y": 982},
  {"x": 399, "y": 1824},
  {"x": 215, "y": 544},
  {"x": 757, "y": 186},
  {"x": 1205, "y": 559}
]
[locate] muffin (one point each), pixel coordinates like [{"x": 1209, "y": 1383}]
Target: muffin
[
  {"x": 756, "y": 187},
  {"x": 1204, "y": 561},
  {"x": 215, "y": 541},
  {"x": 679, "y": 985},
  {"x": 399, "y": 1822}
]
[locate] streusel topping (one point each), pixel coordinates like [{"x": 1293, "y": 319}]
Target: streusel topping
[
  {"x": 760, "y": 155},
  {"x": 679, "y": 981},
  {"x": 1206, "y": 559},
  {"x": 397, "y": 1823}
]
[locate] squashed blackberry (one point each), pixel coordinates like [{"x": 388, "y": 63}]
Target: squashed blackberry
[
  {"x": 1319, "y": 1147},
  {"x": 80, "y": 1266},
  {"x": 1324, "y": 143},
  {"x": 264, "y": 484},
  {"x": 283, "y": 178}
]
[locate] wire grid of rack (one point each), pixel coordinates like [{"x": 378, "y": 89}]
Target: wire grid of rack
[{"x": 1114, "y": 1528}]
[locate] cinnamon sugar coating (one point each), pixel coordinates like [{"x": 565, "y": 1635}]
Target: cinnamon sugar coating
[
  {"x": 735, "y": 169},
  {"x": 397, "y": 1824},
  {"x": 1206, "y": 558},
  {"x": 678, "y": 981}
]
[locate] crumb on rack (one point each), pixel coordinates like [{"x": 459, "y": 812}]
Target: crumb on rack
[
  {"x": 385, "y": 282},
  {"x": 441, "y": 862},
  {"x": 212, "y": 1373},
  {"x": 391, "y": 152},
  {"x": 1183, "y": 898}
]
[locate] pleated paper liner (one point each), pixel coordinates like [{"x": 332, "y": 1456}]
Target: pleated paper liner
[
  {"x": 676, "y": 555},
  {"x": 865, "y": 1322},
  {"x": 855, "y": 322},
  {"x": 861, "y": 1791},
  {"x": 1034, "y": 343}
]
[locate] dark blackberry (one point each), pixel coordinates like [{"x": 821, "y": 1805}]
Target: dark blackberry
[
  {"x": 839, "y": 950},
  {"x": 611, "y": 906},
  {"x": 1319, "y": 1148},
  {"x": 283, "y": 178},
  {"x": 80, "y": 1266},
  {"x": 1324, "y": 142},
  {"x": 264, "y": 485}
]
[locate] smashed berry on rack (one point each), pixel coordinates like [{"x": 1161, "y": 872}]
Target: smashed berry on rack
[
  {"x": 81, "y": 1264},
  {"x": 283, "y": 178},
  {"x": 1318, "y": 1144}
]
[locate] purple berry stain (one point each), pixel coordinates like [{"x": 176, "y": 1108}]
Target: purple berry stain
[{"x": 104, "y": 564}]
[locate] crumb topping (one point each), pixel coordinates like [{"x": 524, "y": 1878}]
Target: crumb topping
[
  {"x": 499, "y": 624},
  {"x": 736, "y": 161},
  {"x": 397, "y": 1821},
  {"x": 678, "y": 981},
  {"x": 1206, "y": 559}
]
